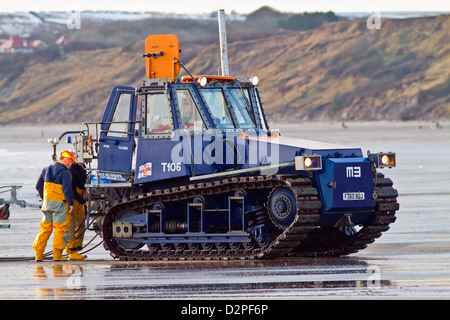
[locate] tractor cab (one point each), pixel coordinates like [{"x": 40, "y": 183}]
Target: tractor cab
[{"x": 171, "y": 127}]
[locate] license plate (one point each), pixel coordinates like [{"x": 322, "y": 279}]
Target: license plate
[{"x": 352, "y": 196}]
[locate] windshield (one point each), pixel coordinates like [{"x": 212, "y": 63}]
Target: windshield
[
  {"x": 216, "y": 102},
  {"x": 242, "y": 108}
]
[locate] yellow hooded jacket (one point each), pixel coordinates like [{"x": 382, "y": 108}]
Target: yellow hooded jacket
[{"x": 55, "y": 187}]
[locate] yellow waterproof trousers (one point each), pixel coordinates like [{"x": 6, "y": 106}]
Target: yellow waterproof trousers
[
  {"x": 76, "y": 226},
  {"x": 54, "y": 217}
]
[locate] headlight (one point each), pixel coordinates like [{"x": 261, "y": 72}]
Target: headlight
[
  {"x": 254, "y": 80},
  {"x": 53, "y": 140},
  {"x": 202, "y": 81},
  {"x": 306, "y": 162},
  {"x": 383, "y": 159}
]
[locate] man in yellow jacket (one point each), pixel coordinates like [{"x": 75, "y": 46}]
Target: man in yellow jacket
[{"x": 55, "y": 188}]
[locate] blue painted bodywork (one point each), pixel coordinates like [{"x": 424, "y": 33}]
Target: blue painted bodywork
[
  {"x": 346, "y": 175},
  {"x": 115, "y": 157},
  {"x": 182, "y": 154}
]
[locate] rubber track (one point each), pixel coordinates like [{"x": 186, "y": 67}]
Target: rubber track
[{"x": 308, "y": 208}]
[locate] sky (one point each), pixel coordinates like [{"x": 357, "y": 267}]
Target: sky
[{"x": 240, "y": 6}]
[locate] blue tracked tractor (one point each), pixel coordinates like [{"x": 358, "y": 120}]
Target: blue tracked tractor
[{"x": 188, "y": 168}]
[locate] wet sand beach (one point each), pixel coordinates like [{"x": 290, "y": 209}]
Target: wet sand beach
[{"x": 411, "y": 260}]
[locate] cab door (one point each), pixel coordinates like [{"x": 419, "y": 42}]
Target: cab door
[{"x": 115, "y": 152}]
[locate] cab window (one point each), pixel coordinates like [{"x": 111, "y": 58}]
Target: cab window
[
  {"x": 157, "y": 117},
  {"x": 119, "y": 125},
  {"x": 190, "y": 117},
  {"x": 264, "y": 125}
]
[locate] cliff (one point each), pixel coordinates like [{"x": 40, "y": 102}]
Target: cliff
[{"x": 339, "y": 71}]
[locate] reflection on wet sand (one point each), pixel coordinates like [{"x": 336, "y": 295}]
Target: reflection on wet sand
[
  {"x": 57, "y": 280},
  {"x": 187, "y": 280}
]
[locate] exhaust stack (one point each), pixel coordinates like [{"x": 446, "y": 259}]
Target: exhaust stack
[{"x": 223, "y": 43}]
